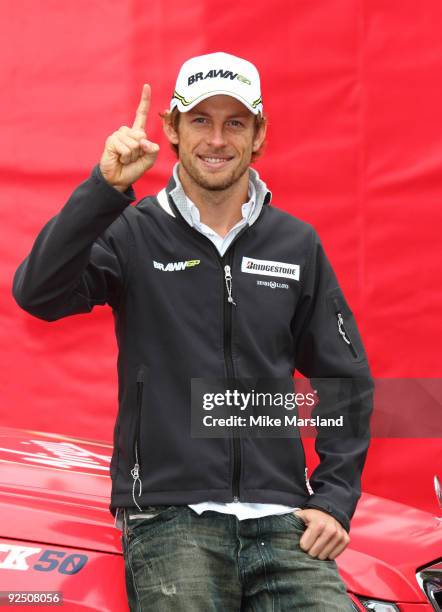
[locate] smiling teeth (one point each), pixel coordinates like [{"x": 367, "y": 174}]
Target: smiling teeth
[{"x": 214, "y": 160}]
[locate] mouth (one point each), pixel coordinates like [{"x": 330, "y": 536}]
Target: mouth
[{"x": 215, "y": 162}]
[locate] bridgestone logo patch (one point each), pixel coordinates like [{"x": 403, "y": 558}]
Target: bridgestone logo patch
[{"x": 270, "y": 268}]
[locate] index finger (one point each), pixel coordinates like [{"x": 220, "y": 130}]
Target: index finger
[{"x": 143, "y": 108}]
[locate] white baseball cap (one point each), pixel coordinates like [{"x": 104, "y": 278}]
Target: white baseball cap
[{"x": 217, "y": 73}]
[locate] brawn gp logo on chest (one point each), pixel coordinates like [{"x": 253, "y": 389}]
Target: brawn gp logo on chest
[
  {"x": 175, "y": 266},
  {"x": 270, "y": 268}
]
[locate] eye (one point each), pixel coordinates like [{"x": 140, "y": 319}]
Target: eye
[
  {"x": 200, "y": 120},
  {"x": 236, "y": 123}
]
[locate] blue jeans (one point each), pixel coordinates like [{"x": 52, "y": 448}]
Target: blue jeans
[{"x": 179, "y": 561}]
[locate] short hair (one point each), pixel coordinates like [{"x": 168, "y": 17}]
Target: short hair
[{"x": 174, "y": 116}]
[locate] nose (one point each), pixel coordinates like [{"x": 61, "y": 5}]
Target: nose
[{"x": 216, "y": 137}]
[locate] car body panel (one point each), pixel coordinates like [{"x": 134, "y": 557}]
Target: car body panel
[
  {"x": 389, "y": 541},
  {"x": 55, "y": 497},
  {"x": 88, "y": 580}
]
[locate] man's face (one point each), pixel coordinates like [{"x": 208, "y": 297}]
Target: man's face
[{"x": 216, "y": 140}]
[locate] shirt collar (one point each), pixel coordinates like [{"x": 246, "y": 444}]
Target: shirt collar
[{"x": 246, "y": 208}]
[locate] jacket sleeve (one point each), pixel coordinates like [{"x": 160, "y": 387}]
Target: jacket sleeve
[
  {"x": 329, "y": 351},
  {"x": 80, "y": 256}
]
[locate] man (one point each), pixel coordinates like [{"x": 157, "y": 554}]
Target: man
[{"x": 208, "y": 281}]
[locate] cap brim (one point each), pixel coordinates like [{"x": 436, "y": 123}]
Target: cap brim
[{"x": 184, "y": 106}]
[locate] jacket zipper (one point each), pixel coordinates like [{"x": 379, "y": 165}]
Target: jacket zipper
[
  {"x": 341, "y": 329},
  {"x": 228, "y": 304},
  {"x": 135, "y": 472}
]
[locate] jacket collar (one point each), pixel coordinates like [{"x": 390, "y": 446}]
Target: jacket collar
[{"x": 178, "y": 201}]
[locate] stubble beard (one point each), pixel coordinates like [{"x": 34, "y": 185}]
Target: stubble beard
[{"x": 214, "y": 183}]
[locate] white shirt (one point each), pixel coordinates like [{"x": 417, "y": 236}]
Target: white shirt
[{"x": 221, "y": 243}]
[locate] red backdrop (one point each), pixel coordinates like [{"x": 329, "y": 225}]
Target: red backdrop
[{"x": 353, "y": 94}]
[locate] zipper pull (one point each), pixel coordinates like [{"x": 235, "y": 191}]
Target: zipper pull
[
  {"x": 342, "y": 331},
  {"x": 228, "y": 279},
  {"x": 341, "y": 328},
  {"x": 307, "y": 482},
  {"x": 135, "y": 472}
]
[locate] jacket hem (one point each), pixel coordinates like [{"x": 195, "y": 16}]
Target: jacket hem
[{"x": 196, "y": 496}]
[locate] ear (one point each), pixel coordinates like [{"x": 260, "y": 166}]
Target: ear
[
  {"x": 170, "y": 132},
  {"x": 259, "y": 136}
]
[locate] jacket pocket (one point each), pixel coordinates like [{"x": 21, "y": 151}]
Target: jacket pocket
[
  {"x": 136, "y": 470},
  {"x": 141, "y": 526},
  {"x": 346, "y": 330},
  {"x": 294, "y": 520},
  {"x": 116, "y": 450}
]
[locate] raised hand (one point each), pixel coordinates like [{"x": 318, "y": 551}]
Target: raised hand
[{"x": 127, "y": 153}]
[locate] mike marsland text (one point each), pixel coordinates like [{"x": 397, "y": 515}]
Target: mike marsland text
[{"x": 266, "y": 421}]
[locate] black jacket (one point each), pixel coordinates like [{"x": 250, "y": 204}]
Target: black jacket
[{"x": 174, "y": 322}]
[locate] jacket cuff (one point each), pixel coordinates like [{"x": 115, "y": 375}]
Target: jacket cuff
[
  {"x": 318, "y": 503},
  {"x": 98, "y": 178}
]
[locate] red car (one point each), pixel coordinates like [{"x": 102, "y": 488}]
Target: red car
[{"x": 59, "y": 544}]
